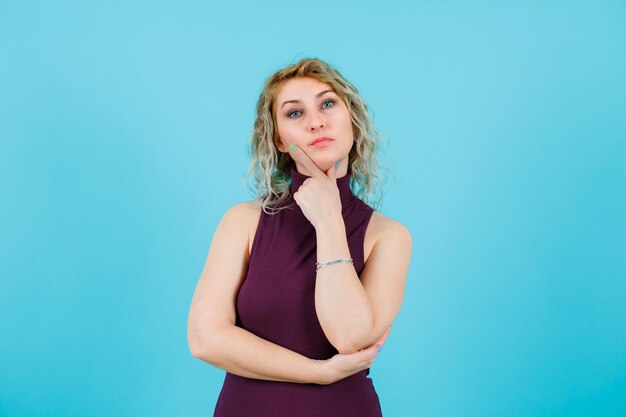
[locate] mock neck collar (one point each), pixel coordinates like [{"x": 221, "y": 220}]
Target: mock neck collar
[{"x": 343, "y": 184}]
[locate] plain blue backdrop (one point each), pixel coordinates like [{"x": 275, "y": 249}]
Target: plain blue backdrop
[{"x": 124, "y": 128}]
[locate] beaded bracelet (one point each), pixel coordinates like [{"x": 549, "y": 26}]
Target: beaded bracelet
[{"x": 319, "y": 266}]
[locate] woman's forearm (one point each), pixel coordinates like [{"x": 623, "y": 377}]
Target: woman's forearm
[
  {"x": 343, "y": 307},
  {"x": 242, "y": 353}
]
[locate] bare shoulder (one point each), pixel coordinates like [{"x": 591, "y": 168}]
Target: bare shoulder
[
  {"x": 382, "y": 228},
  {"x": 245, "y": 211},
  {"x": 245, "y": 215},
  {"x": 386, "y": 227}
]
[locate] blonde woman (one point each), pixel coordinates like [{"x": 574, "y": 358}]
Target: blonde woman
[{"x": 302, "y": 284}]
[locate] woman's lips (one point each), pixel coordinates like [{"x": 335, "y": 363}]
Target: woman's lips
[{"x": 321, "y": 141}]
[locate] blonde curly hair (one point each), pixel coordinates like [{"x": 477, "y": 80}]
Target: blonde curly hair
[{"x": 270, "y": 169}]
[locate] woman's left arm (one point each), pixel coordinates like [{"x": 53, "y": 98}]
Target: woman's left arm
[{"x": 355, "y": 312}]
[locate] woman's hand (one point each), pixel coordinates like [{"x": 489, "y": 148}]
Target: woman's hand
[
  {"x": 342, "y": 366},
  {"x": 318, "y": 196}
]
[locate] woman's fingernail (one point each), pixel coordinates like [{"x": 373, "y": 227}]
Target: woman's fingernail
[
  {"x": 337, "y": 164},
  {"x": 379, "y": 347},
  {"x": 293, "y": 147}
]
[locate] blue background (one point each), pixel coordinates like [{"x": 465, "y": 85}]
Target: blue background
[{"x": 123, "y": 139}]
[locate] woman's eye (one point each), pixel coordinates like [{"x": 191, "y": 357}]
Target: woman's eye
[
  {"x": 329, "y": 102},
  {"x": 294, "y": 114}
]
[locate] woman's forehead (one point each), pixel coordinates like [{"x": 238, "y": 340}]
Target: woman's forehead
[{"x": 301, "y": 87}]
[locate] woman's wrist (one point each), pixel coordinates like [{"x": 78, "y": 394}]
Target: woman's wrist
[
  {"x": 334, "y": 222},
  {"x": 320, "y": 372}
]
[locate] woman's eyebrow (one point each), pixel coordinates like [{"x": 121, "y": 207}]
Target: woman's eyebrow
[{"x": 297, "y": 101}]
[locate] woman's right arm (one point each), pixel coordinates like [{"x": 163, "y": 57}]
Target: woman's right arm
[{"x": 213, "y": 336}]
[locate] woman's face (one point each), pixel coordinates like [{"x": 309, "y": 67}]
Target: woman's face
[{"x": 306, "y": 110}]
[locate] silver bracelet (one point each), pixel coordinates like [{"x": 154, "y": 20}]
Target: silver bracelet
[{"x": 319, "y": 266}]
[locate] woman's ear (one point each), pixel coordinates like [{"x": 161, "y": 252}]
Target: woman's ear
[{"x": 281, "y": 146}]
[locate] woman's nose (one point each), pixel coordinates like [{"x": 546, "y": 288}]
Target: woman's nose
[{"x": 315, "y": 121}]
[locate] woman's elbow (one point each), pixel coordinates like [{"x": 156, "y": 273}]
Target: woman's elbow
[
  {"x": 196, "y": 348},
  {"x": 346, "y": 350},
  {"x": 201, "y": 346},
  {"x": 346, "y": 347},
  {"x": 357, "y": 342}
]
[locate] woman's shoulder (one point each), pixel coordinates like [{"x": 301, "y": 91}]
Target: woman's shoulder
[
  {"x": 244, "y": 214},
  {"x": 382, "y": 228},
  {"x": 245, "y": 209},
  {"x": 386, "y": 227}
]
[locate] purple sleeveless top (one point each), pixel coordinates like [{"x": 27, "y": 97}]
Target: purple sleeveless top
[{"x": 277, "y": 303}]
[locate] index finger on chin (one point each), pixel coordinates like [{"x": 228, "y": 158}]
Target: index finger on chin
[{"x": 299, "y": 155}]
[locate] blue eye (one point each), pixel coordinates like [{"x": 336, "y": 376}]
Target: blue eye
[
  {"x": 331, "y": 102},
  {"x": 292, "y": 115}
]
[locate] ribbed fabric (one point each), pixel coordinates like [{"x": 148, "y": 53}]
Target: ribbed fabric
[{"x": 276, "y": 302}]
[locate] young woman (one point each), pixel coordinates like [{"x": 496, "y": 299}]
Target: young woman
[{"x": 301, "y": 285}]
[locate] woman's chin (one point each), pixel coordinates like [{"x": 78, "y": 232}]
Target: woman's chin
[
  {"x": 328, "y": 161},
  {"x": 323, "y": 164}
]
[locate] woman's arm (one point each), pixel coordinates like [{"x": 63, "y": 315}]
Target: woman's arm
[
  {"x": 213, "y": 336},
  {"x": 242, "y": 353},
  {"x": 354, "y": 311},
  {"x": 245, "y": 354}
]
